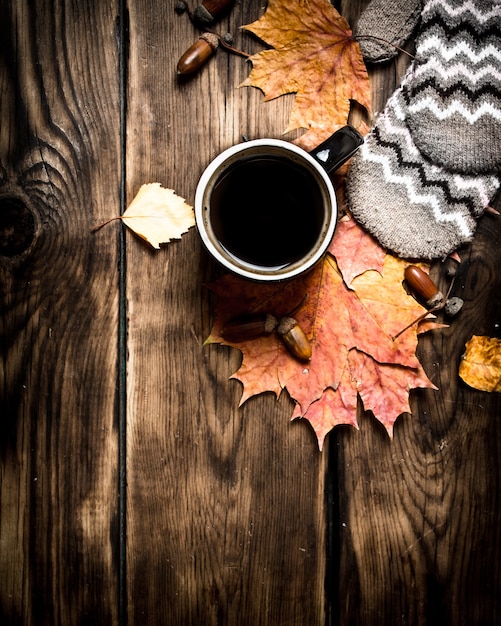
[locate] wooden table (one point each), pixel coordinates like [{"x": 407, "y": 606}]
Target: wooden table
[{"x": 133, "y": 488}]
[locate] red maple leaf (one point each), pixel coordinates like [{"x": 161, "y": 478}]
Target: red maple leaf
[
  {"x": 355, "y": 250},
  {"x": 351, "y": 330}
]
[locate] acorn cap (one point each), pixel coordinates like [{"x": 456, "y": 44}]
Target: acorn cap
[
  {"x": 453, "y": 306},
  {"x": 285, "y": 325},
  {"x": 208, "y": 10},
  {"x": 202, "y": 15},
  {"x": 211, "y": 39}
]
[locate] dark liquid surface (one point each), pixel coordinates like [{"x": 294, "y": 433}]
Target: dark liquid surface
[{"x": 267, "y": 211}]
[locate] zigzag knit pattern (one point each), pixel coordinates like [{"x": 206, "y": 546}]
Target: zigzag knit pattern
[
  {"x": 412, "y": 207},
  {"x": 454, "y": 95}
]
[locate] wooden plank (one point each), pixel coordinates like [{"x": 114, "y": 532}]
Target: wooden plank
[
  {"x": 225, "y": 517},
  {"x": 419, "y": 517},
  {"x": 59, "y": 175},
  {"x": 416, "y": 520}
]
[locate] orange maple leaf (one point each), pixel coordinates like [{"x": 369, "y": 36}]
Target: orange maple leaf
[
  {"x": 355, "y": 250},
  {"x": 383, "y": 388},
  {"x": 333, "y": 408},
  {"x": 316, "y": 57},
  {"x": 264, "y": 358},
  {"x": 351, "y": 332}
]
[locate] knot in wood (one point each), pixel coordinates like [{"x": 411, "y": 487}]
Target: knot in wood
[{"x": 17, "y": 226}]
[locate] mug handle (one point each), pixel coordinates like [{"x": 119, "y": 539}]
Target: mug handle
[{"x": 336, "y": 150}]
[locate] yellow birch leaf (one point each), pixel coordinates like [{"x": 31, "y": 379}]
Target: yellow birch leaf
[
  {"x": 481, "y": 364},
  {"x": 158, "y": 215}
]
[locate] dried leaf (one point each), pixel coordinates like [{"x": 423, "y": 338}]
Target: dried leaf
[
  {"x": 158, "y": 215},
  {"x": 384, "y": 389},
  {"x": 382, "y": 293},
  {"x": 351, "y": 332},
  {"x": 480, "y": 367},
  {"x": 355, "y": 250},
  {"x": 334, "y": 408},
  {"x": 315, "y": 57},
  {"x": 428, "y": 324}
]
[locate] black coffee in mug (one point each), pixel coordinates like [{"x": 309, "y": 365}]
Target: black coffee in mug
[{"x": 267, "y": 211}]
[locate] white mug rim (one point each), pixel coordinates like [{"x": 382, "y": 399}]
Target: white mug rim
[{"x": 260, "y": 275}]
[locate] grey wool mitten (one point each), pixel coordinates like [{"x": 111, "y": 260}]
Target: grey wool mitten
[
  {"x": 412, "y": 185},
  {"x": 385, "y": 26},
  {"x": 455, "y": 90}
]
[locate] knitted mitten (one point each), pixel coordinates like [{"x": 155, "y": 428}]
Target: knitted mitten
[
  {"x": 415, "y": 208},
  {"x": 454, "y": 94},
  {"x": 384, "y": 25},
  {"x": 413, "y": 183}
]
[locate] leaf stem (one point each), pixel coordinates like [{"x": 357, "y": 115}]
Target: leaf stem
[
  {"x": 111, "y": 219},
  {"x": 416, "y": 321},
  {"x": 231, "y": 49}
]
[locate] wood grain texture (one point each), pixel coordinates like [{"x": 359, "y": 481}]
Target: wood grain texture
[
  {"x": 59, "y": 167},
  {"x": 225, "y": 516},
  {"x": 417, "y": 539},
  {"x": 225, "y": 505},
  {"x": 419, "y": 517},
  {"x": 231, "y": 514}
]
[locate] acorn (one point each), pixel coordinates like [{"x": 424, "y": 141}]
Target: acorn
[
  {"x": 248, "y": 327},
  {"x": 198, "y": 54},
  {"x": 294, "y": 338},
  {"x": 209, "y": 10},
  {"x": 422, "y": 287}
]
